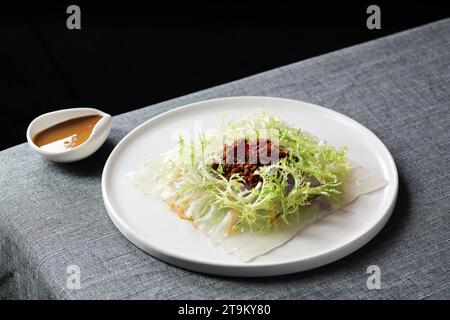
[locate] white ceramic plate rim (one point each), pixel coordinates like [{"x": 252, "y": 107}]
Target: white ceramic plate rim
[{"x": 254, "y": 269}]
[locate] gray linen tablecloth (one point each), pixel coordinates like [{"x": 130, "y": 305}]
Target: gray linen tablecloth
[{"x": 52, "y": 215}]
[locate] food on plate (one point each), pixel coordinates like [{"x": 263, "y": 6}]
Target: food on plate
[{"x": 255, "y": 183}]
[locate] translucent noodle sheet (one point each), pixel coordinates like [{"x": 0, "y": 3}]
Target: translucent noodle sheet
[{"x": 247, "y": 205}]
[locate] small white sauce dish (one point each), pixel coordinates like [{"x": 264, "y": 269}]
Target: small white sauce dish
[{"x": 97, "y": 137}]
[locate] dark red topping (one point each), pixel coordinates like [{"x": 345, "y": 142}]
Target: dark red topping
[{"x": 244, "y": 158}]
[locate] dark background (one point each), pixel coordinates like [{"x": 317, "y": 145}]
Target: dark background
[{"x": 128, "y": 55}]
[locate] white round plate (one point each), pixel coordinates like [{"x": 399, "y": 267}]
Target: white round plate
[{"x": 151, "y": 226}]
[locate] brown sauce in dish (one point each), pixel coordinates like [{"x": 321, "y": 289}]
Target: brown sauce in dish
[{"x": 67, "y": 134}]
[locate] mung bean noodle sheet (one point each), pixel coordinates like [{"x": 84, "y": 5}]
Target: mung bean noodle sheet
[{"x": 255, "y": 183}]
